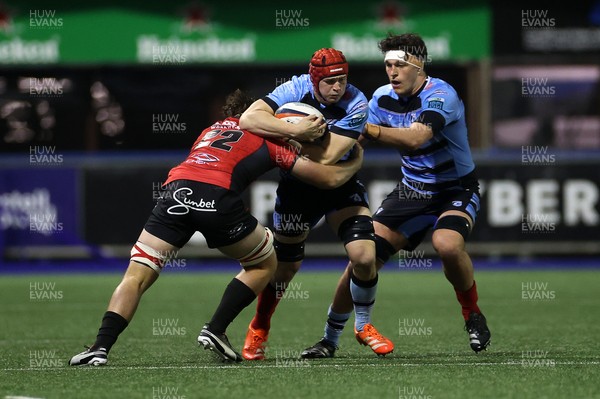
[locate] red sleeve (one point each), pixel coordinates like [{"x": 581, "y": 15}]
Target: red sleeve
[{"x": 283, "y": 155}]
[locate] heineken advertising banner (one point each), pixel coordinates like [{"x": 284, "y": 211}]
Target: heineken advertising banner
[{"x": 182, "y": 32}]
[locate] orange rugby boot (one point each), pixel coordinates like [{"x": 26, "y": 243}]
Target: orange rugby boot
[
  {"x": 371, "y": 337},
  {"x": 254, "y": 345}
]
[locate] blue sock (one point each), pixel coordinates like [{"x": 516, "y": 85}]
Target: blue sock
[
  {"x": 335, "y": 326},
  {"x": 363, "y": 296}
]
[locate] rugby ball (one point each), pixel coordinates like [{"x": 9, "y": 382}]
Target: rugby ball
[{"x": 293, "y": 112}]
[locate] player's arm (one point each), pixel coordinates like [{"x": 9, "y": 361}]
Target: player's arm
[
  {"x": 328, "y": 176},
  {"x": 408, "y": 138},
  {"x": 260, "y": 119},
  {"x": 330, "y": 150}
]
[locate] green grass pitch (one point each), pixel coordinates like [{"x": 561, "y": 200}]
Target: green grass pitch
[{"x": 544, "y": 324}]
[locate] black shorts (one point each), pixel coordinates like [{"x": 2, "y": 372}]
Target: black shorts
[
  {"x": 413, "y": 214},
  {"x": 187, "y": 206},
  {"x": 299, "y": 206}
]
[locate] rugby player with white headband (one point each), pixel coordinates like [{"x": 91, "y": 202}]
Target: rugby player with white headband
[{"x": 424, "y": 119}]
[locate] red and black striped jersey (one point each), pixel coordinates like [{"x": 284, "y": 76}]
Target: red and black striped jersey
[{"x": 232, "y": 158}]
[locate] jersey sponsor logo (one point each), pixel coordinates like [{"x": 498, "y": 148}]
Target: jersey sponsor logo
[
  {"x": 185, "y": 204},
  {"x": 435, "y": 103},
  {"x": 202, "y": 159},
  {"x": 358, "y": 119}
]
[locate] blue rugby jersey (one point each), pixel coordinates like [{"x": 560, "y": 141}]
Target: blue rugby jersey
[
  {"x": 445, "y": 160},
  {"x": 347, "y": 117}
]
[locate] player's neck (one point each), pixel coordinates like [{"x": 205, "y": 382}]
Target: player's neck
[{"x": 419, "y": 84}]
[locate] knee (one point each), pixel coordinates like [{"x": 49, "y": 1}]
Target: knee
[
  {"x": 138, "y": 280},
  {"x": 446, "y": 246},
  {"x": 363, "y": 259}
]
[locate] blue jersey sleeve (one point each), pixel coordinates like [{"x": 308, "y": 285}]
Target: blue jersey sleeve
[
  {"x": 357, "y": 113},
  {"x": 445, "y": 102},
  {"x": 291, "y": 91}
]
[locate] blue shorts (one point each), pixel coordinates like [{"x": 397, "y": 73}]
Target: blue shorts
[
  {"x": 413, "y": 214},
  {"x": 299, "y": 206}
]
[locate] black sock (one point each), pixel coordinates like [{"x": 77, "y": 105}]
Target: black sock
[
  {"x": 236, "y": 297},
  {"x": 113, "y": 324},
  {"x": 364, "y": 284}
]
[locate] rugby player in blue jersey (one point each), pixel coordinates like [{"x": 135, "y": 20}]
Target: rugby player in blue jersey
[
  {"x": 424, "y": 119},
  {"x": 300, "y": 206}
]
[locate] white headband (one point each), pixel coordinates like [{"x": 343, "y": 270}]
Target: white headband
[{"x": 399, "y": 55}]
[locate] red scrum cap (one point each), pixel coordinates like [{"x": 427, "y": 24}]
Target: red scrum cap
[{"x": 325, "y": 63}]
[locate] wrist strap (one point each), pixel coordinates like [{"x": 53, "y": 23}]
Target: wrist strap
[{"x": 373, "y": 131}]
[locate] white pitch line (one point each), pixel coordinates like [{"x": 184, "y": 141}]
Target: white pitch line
[
  {"x": 20, "y": 397},
  {"x": 320, "y": 365}
]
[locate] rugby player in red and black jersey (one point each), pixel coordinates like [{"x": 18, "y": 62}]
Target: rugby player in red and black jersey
[{"x": 203, "y": 194}]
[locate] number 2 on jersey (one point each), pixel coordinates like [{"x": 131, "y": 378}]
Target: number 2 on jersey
[{"x": 229, "y": 136}]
